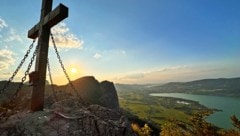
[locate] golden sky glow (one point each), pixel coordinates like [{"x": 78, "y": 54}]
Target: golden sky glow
[{"x": 73, "y": 71}]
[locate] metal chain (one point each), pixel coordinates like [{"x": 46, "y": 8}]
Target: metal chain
[
  {"x": 63, "y": 68},
  {"x": 25, "y": 74},
  {"x": 18, "y": 68},
  {"x": 51, "y": 81}
]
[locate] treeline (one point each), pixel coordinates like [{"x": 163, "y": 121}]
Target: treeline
[{"x": 197, "y": 126}]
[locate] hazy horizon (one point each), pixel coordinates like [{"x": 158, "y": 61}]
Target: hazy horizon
[{"x": 144, "y": 83}]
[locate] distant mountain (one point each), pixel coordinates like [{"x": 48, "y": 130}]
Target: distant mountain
[
  {"x": 130, "y": 87},
  {"x": 218, "y": 87}
]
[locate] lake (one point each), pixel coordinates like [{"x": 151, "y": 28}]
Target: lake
[{"x": 229, "y": 106}]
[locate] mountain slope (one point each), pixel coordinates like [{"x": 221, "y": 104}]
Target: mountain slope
[{"x": 220, "y": 87}]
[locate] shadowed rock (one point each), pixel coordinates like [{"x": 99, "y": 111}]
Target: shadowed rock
[
  {"x": 101, "y": 117},
  {"x": 68, "y": 117},
  {"x": 93, "y": 92},
  {"x": 109, "y": 97}
]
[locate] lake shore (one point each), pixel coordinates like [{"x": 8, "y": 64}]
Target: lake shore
[
  {"x": 224, "y": 107},
  {"x": 159, "y": 110}
]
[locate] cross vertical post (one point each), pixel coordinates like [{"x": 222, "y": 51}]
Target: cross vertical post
[{"x": 41, "y": 30}]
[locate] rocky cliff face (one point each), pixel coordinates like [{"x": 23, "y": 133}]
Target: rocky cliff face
[
  {"x": 109, "y": 97},
  {"x": 93, "y": 92}
]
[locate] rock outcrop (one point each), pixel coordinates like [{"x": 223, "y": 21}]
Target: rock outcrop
[
  {"x": 93, "y": 92},
  {"x": 89, "y": 89},
  {"x": 68, "y": 118},
  {"x": 109, "y": 97}
]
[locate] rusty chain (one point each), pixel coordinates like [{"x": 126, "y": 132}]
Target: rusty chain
[
  {"x": 63, "y": 68},
  {"x": 18, "y": 68},
  {"x": 51, "y": 81},
  {"x": 25, "y": 75}
]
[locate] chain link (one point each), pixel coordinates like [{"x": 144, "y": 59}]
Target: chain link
[
  {"x": 25, "y": 75},
  {"x": 50, "y": 76},
  {"x": 18, "y": 68},
  {"x": 63, "y": 68}
]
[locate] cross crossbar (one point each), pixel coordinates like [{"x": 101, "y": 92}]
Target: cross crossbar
[{"x": 57, "y": 15}]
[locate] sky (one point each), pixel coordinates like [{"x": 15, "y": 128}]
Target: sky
[{"x": 129, "y": 41}]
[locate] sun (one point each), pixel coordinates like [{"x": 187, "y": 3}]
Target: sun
[{"x": 73, "y": 70}]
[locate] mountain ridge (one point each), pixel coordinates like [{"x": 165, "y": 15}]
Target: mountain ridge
[{"x": 218, "y": 86}]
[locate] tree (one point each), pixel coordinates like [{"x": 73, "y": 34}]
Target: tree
[
  {"x": 141, "y": 131},
  {"x": 198, "y": 127},
  {"x": 236, "y": 122}
]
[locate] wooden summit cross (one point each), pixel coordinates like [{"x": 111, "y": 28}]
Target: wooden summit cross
[{"x": 41, "y": 30}]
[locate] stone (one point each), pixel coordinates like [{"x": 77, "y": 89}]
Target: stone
[
  {"x": 109, "y": 97},
  {"x": 93, "y": 92},
  {"x": 67, "y": 117}
]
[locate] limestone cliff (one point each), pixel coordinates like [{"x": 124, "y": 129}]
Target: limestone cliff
[{"x": 93, "y": 92}]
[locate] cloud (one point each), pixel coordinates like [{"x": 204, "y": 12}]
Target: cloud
[
  {"x": 64, "y": 38},
  {"x": 13, "y": 36},
  {"x": 176, "y": 74},
  {"x": 3, "y": 24},
  {"x": 134, "y": 76},
  {"x": 6, "y": 73},
  {"x": 6, "y": 58},
  {"x": 158, "y": 75},
  {"x": 97, "y": 56},
  {"x": 111, "y": 55},
  {"x": 11, "y": 33},
  {"x": 116, "y": 52},
  {"x": 123, "y": 52},
  {"x": 167, "y": 69}
]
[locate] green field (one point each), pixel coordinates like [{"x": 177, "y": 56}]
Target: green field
[{"x": 157, "y": 110}]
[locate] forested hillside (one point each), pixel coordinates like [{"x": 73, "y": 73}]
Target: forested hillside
[{"x": 218, "y": 87}]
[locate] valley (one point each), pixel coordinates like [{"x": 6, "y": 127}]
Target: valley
[
  {"x": 159, "y": 110},
  {"x": 143, "y": 104}
]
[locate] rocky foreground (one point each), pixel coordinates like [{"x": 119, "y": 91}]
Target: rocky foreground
[{"x": 69, "y": 117}]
